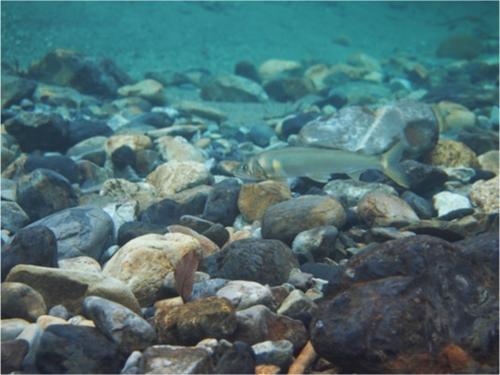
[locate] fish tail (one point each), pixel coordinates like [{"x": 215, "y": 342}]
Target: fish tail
[{"x": 390, "y": 163}]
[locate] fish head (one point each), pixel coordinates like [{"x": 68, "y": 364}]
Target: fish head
[{"x": 250, "y": 170}]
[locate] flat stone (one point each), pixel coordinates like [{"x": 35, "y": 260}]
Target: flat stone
[
  {"x": 484, "y": 194},
  {"x": 255, "y": 198},
  {"x": 45, "y": 321},
  {"x": 89, "y": 149},
  {"x": 121, "y": 190},
  {"x": 69, "y": 287},
  {"x": 13, "y": 216},
  {"x": 451, "y": 153},
  {"x": 274, "y": 68},
  {"x": 21, "y": 301},
  {"x": 148, "y": 89},
  {"x": 279, "y": 353},
  {"x": 244, "y": 294},
  {"x": 202, "y": 110},
  {"x": 382, "y": 209},
  {"x": 232, "y": 88},
  {"x": 222, "y": 202},
  {"x": 13, "y": 353},
  {"x": 190, "y": 323},
  {"x": 11, "y": 328},
  {"x": 134, "y": 141},
  {"x": 178, "y": 148},
  {"x": 283, "y": 221},
  {"x": 489, "y": 161},
  {"x": 447, "y": 202},
  {"x": 14, "y": 89},
  {"x": 59, "y": 96},
  {"x": 315, "y": 244},
  {"x": 298, "y": 306},
  {"x": 349, "y": 192},
  {"x": 167, "y": 359},
  {"x": 83, "y": 263}
]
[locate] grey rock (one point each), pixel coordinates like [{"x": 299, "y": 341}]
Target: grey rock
[
  {"x": 13, "y": 216},
  {"x": 300, "y": 280},
  {"x": 423, "y": 177},
  {"x": 421, "y": 206},
  {"x": 63, "y": 165},
  {"x": 32, "y": 334},
  {"x": 298, "y": 306},
  {"x": 169, "y": 289},
  {"x": 314, "y": 244},
  {"x": 166, "y": 359},
  {"x": 238, "y": 358},
  {"x": 21, "y": 301},
  {"x": 91, "y": 149},
  {"x": 132, "y": 364},
  {"x": 383, "y": 209},
  {"x": 222, "y": 202},
  {"x": 446, "y": 202},
  {"x": 13, "y": 353},
  {"x": 232, "y": 88},
  {"x": 8, "y": 189},
  {"x": 59, "y": 311},
  {"x": 207, "y": 288},
  {"x": 92, "y": 176},
  {"x": 14, "y": 89},
  {"x": 359, "y": 92},
  {"x": 80, "y": 231},
  {"x": 119, "y": 324},
  {"x": 11, "y": 328},
  {"x": 244, "y": 294},
  {"x": 279, "y": 353},
  {"x": 349, "y": 192}
]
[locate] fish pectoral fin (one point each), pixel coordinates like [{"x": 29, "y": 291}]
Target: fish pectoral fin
[{"x": 318, "y": 177}]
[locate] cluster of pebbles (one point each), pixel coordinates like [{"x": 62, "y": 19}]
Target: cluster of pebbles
[{"x": 108, "y": 183}]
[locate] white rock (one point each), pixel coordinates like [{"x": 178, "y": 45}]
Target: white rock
[
  {"x": 446, "y": 202},
  {"x": 243, "y": 294}
]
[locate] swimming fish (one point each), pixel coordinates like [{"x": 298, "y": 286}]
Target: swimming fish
[{"x": 319, "y": 163}]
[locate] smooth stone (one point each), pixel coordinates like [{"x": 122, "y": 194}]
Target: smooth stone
[
  {"x": 123, "y": 157},
  {"x": 244, "y": 294},
  {"x": 21, "y": 301},
  {"x": 14, "y": 89},
  {"x": 168, "y": 212},
  {"x": 59, "y": 311},
  {"x": 207, "y": 288},
  {"x": 178, "y": 148},
  {"x": 39, "y": 131},
  {"x": 484, "y": 194},
  {"x": 255, "y": 198},
  {"x": 423, "y": 177},
  {"x": 207, "y": 246},
  {"x": 59, "y": 96},
  {"x": 453, "y": 116},
  {"x": 8, "y": 191},
  {"x": 35, "y": 245},
  {"x": 298, "y": 306},
  {"x": 69, "y": 287},
  {"x": 31, "y": 334},
  {"x": 299, "y": 280},
  {"x": 232, "y": 88},
  {"x": 279, "y": 353},
  {"x": 148, "y": 89},
  {"x": 119, "y": 324},
  {"x": 63, "y": 165},
  {"x": 258, "y": 323},
  {"x": 451, "y": 153},
  {"x": 222, "y": 202},
  {"x": 283, "y": 221},
  {"x": 83, "y": 129},
  {"x": 489, "y": 161},
  {"x": 237, "y": 359},
  {"x": 263, "y": 261},
  {"x": 315, "y": 244},
  {"x": 288, "y": 89},
  {"x": 349, "y": 192},
  {"x": 121, "y": 190},
  {"x": 446, "y": 202},
  {"x": 11, "y": 328},
  {"x": 274, "y": 68},
  {"x": 382, "y": 209},
  {"x": 169, "y": 287},
  {"x": 133, "y": 141},
  {"x": 82, "y": 263},
  {"x": 77, "y": 349},
  {"x": 13, "y": 216},
  {"x": 190, "y": 323},
  {"x": 247, "y": 69},
  {"x": 13, "y": 353},
  {"x": 459, "y": 47},
  {"x": 45, "y": 321},
  {"x": 131, "y": 366},
  {"x": 294, "y": 123},
  {"x": 121, "y": 213},
  {"x": 80, "y": 231},
  {"x": 168, "y": 359},
  {"x": 261, "y": 134},
  {"x": 133, "y": 229},
  {"x": 174, "y": 176},
  {"x": 44, "y": 192},
  {"x": 91, "y": 149},
  {"x": 202, "y": 110},
  {"x": 143, "y": 262}
]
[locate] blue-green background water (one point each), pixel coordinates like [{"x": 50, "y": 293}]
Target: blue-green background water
[{"x": 142, "y": 36}]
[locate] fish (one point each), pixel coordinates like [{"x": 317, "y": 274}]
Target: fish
[{"x": 319, "y": 163}]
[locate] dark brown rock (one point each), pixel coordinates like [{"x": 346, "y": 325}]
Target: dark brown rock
[
  {"x": 13, "y": 353},
  {"x": 166, "y": 359},
  {"x": 22, "y": 301}
]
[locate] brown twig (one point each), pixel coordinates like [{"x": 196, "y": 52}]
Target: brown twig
[{"x": 306, "y": 357}]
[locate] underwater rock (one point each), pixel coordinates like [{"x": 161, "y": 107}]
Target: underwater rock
[
  {"x": 60, "y": 164},
  {"x": 83, "y": 263},
  {"x": 69, "y": 68},
  {"x": 356, "y": 129},
  {"x": 356, "y": 93},
  {"x": 349, "y": 192},
  {"x": 232, "y": 88},
  {"x": 33, "y": 245},
  {"x": 13, "y": 353},
  {"x": 489, "y": 161},
  {"x": 274, "y": 68},
  {"x": 14, "y": 89},
  {"x": 294, "y": 123},
  {"x": 421, "y": 206},
  {"x": 80, "y": 231},
  {"x": 91, "y": 149},
  {"x": 288, "y": 89},
  {"x": 244, "y": 294},
  {"x": 11, "y": 328},
  {"x": 314, "y": 244},
  {"x": 190, "y": 323},
  {"x": 174, "y": 176},
  {"x": 119, "y": 324},
  {"x": 283, "y": 221},
  {"x": 484, "y": 194},
  {"x": 21, "y": 301},
  {"x": 451, "y": 153},
  {"x": 460, "y": 47},
  {"x": 479, "y": 140},
  {"x": 298, "y": 306},
  {"x": 92, "y": 177},
  {"x": 446, "y": 203},
  {"x": 423, "y": 178},
  {"x": 13, "y": 216},
  {"x": 148, "y": 89},
  {"x": 279, "y": 353},
  {"x": 420, "y": 284},
  {"x": 222, "y": 202},
  {"x": 381, "y": 209},
  {"x": 257, "y": 324},
  {"x": 167, "y": 211},
  {"x": 133, "y": 229},
  {"x": 178, "y": 148},
  {"x": 82, "y": 129},
  {"x": 43, "y": 192},
  {"x": 167, "y": 359},
  {"x": 59, "y": 96},
  {"x": 134, "y": 141},
  {"x": 202, "y": 110},
  {"x": 77, "y": 349},
  {"x": 239, "y": 358},
  {"x": 8, "y": 191},
  {"x": 121, "y": 190},
  {"x": 255, "y": 198},
  {"x": 39, "y": 131},
  {"x": 70, "y": 287},
  {"x": 453, "y": 116},
  {"x": 247, "y": 70},
  {"x": 261, "y": 134}
]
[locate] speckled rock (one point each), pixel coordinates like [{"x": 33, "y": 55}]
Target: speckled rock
[
  {"x": 119, "y": 324},
  {"x": 122, "y": 190},
  {"x": 349, "y": 192},
  {"x": 148, "y": 89},
  {"x": 83, "y": 263},
  {"x": 244, "y": 294},
  {"x": 134, "y": 141},
  {"x": 143, "y": 262},
  {"x": 178, "y": 148},
  {"x": 21, "y": 301},
  {"x": 13, "y": 216},
  {"x": 255, "y": 198},
  {"x": 70, "y": 287},
  {"x": 167, "y": 359},
  {"x": 175, "y": 176},
  {"x": 279, "y": 353},
  {"x": 315, "y": 244},
  {"x": 262, "y": 261},
  {"x": 446, "y": 202},
  {"x": 11, "y": 328},
  {"x": 35, "y": 245},
  {"x": 451, "y": 153},
  {"x": 382, "y": 209},
  {"x": 80, "y": 231},
  {"x": 207, "y": 288},
  {"x": 484, "y": 194},
  {"x": 232, "y": 88},
  {"x": 43, "y": 192},
  {"x": 77, "y": 349},
  {"x": 283, "y": 221},
  {"x": 489, "y": 161},
  {"x": 190, "y": 323},
  {"x": 258, "y": 323}
]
